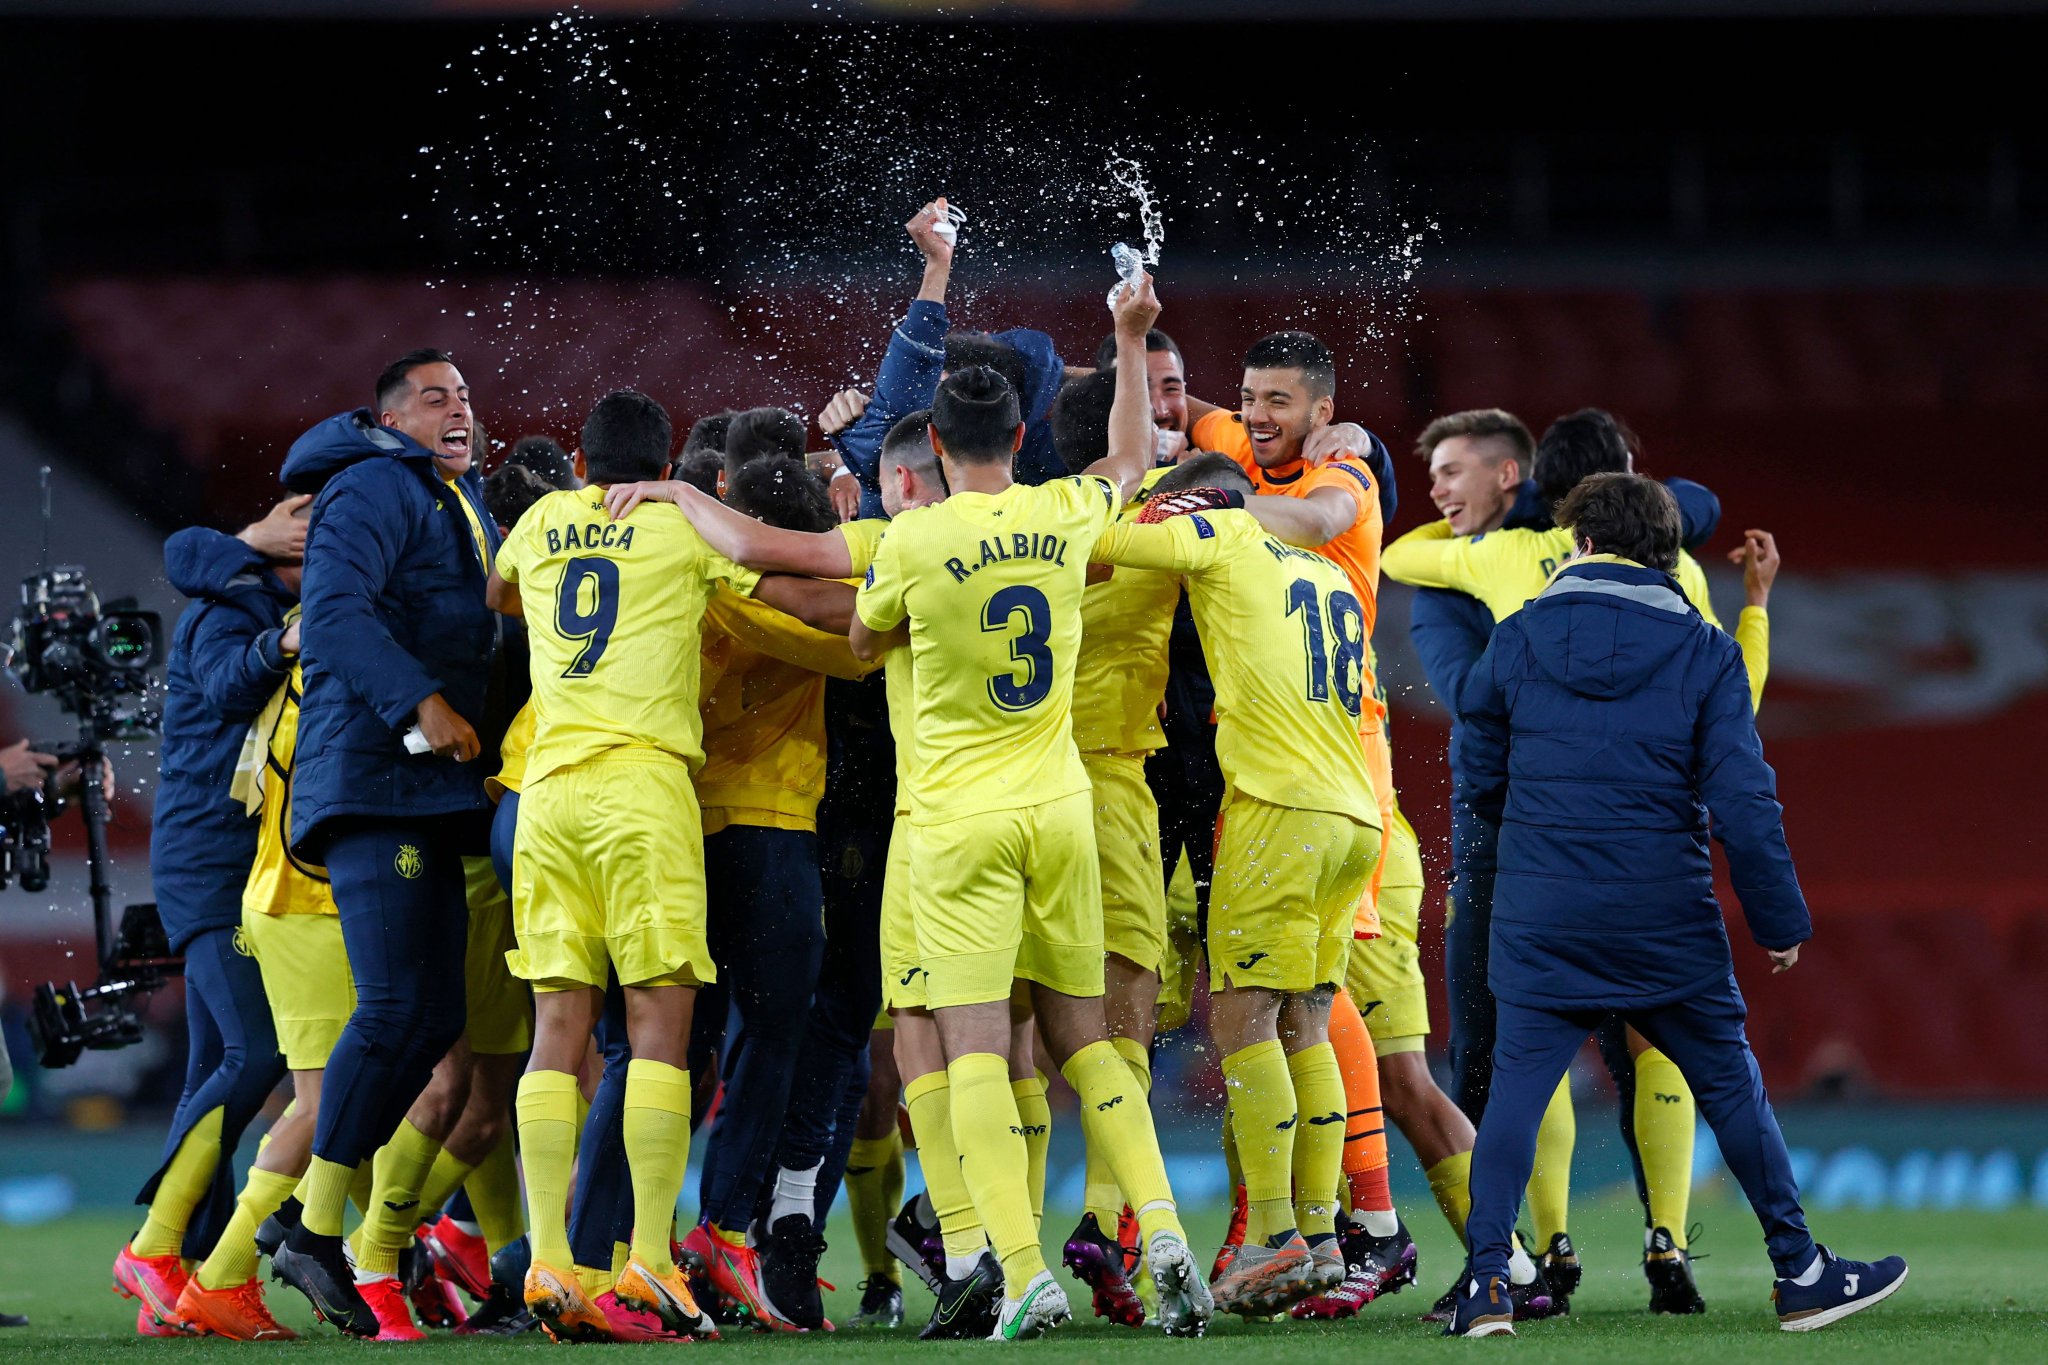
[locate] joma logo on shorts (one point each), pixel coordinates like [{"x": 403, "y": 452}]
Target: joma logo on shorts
[{"x": 1252, "y": 961}]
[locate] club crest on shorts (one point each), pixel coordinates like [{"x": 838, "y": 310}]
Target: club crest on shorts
[{"x": 408, "y": 864}]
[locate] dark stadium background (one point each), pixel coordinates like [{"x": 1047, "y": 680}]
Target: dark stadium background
[{"x": 1802, "y": 249}]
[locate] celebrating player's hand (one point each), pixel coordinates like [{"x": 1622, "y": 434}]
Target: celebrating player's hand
[
  {"x": 1783, "y": 960},
  {"x": 1758, "y": 556},
  {"x": 935, "y": 249},
  {"x": 23, "y": 766},
  {"x": 845, "y": 491},
  {"x": 281, "y": 535},
  {"x": 1136, "y": 310},
  {"x": 1338, "y": 438},
  {"x": 845, "y": 408},
  {"x": 446, "y": 731},
  {"x": 622, "y": 498}
]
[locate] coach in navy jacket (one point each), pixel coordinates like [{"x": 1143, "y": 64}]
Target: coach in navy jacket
[
  {"x": 1603, "y": 728},
  {"x": 394, "y": 613},
  {"x": 396, "y": 635},
  {"x": 227, "y": 658}
]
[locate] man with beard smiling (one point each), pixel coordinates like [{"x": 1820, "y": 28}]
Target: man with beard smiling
[{"x": 397, "y": 638}]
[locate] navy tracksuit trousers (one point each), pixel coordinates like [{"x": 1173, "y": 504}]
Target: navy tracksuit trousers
[
  {"x": 231, "y": 1064},
  {"x": 405, "y": 922},
  {"x": 767, "y": 935},
  {"x": 1704, "y": 1038}
]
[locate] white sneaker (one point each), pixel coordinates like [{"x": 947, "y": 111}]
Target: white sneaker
[
  {"x": 1042, "y": 1307},
  {"x": 1185, "y": 1305}
]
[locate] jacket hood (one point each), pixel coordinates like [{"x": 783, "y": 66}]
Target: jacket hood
[
  {"x": 1605, "y": 625},
  {"x": 1043, "y": 370},
  {"x": 340, "y": 441},
  {"x": 206, "y": 564}
]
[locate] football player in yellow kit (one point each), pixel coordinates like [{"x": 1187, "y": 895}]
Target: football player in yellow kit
[
  {"x": 608, "y": 869},
  {"x": 987, "y": 587},
  {"x": 1119, "y": 682},
  {"x": 968, "y": 1283},
  {"x": 1300, "y": 839}
]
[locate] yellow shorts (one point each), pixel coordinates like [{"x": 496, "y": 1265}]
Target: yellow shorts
[
  {"x": 902, "y": 967},
  {"x": 1127, "y": 852},
  {"x": 500, "y": 1004},
  {"x": 1008, "y": 895},
  {"x": 608, "y": 874},
  {"x": 1288, "y": 884},
  {"x": 306, "y": 978},
  {"x": 1384, "y": 977}
]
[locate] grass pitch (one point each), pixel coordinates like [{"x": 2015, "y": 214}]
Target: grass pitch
[{"x": 1979, "y": 1292}]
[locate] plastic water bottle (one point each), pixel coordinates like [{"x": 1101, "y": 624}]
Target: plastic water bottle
[
  {"x": 947, "y": 224},
  {"x": 1130, "y": 270}
]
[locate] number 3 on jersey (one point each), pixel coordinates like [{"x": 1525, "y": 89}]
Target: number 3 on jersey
[
  {"x": 1030, "y": 650},
  {"x": 593, "y": 627},
  {"x": 1347, "y": 624}
]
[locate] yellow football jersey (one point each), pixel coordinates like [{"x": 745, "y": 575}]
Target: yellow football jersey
[
  {"x": 764, "y": 715},
  {"x": 280, "y": 884},
  {"x": 512, "y": 750},
  {"x": 1121, "y": 674},
  {"x": 863, "y": 538},
  {"x": 1505, "y": 569},
  {"x": 991, "y": 585},
  {"x": 1285, "y": 637},
  {"x": 614, "y": 619}
]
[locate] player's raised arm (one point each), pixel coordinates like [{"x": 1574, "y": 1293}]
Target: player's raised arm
[
  {"x": 1421, "y": 558},
  {"x": 1131, "y": 440},
  {"x": 737, "y": 536},
  {"x": 819, "y": 604}
]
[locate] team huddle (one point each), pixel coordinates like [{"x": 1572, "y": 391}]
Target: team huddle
[{"x": 620, "y": 795}]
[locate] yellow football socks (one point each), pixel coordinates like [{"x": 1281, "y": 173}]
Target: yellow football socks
[
  {"x": 1116, "y": 1116},
  {"x": 1318, "y": 1138},
  {"x": 1035, "y": 1116},
  {"x": 1666, "y": 1122},
  {"x": 401, "y": 1167},
  {"x": 1100, "y": 1194},
  {"x": 992, "y": 1158},
  {"x": 657, "y": 1149},
  {"x": 360, "y": 1184},
  {"x": 323, "y": 1194},
  {"x": 1550, "y": 1183},
  {"x": 547, "y": 1140},
  {"x": 1450, "y": 1180},
  {"x": 444, "y": 1178},
  {"x": 930, "y": 1099},
  {"x": 185, "y": 1181},
  {"x": 493, "y": 1189},
  {"x": 233, "y": 1259},
  {"x": 1263, "y": 1121},
  {"x": 874, "y": 1189}
]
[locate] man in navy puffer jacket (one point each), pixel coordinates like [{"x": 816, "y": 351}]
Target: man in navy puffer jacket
[
  {"x": 397, "y": 638},
  {"x": 1602, "y": 729},
  {"x": 229, "y": 652}
]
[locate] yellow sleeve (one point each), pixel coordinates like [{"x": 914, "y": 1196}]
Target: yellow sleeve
[
  {"x": 1184, "y": 544},
  {"x": 767, "y": 631},
  {"x": 1429, "y": 557},
  {"x": 719, "y": 569},
  {"x": 1753, "y": 633},
  {"x": 862, "y": 537},
  {"x": 511, "y": 551},
  {"x": 879, "y": 603}
]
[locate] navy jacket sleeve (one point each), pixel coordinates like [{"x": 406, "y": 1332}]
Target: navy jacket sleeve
[
  {"x": 1449, "y": 631},
  {"x": 907, "y": 380},
  {"x": 238, "y": 661},
  {"x": 1741, "y": 794},
  {"x": 350, "y": 550},
  {"x": 1480, "y": 777},
  {"x": 1381, "y": 462},
  {"x": 1699, "y": 512}
]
